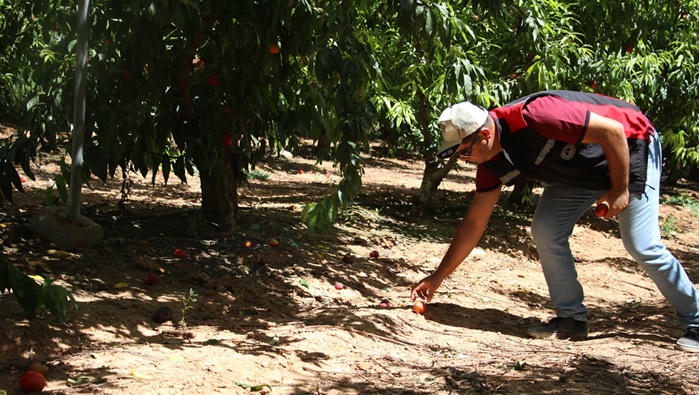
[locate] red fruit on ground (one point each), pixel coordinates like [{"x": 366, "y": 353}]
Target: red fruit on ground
[
  {"x": 247, "y": 243},
  {"x": 594, "y": 85},
  {"x": 32, "y": 381},
  {"x": 339, "y": 286},
  {"x": 629, "y": 48},
  {"x": 273, "y": 49},
  {"x": 151, "y": 278},
  {"x": 300, "y": 171},
  {"x": 180, "y": 253},
  {"x": 601, "y": 209},
  {"x": 419, "y": 307},
  {"x": 274, "y": 242},
  {"x": 374, "y": 254},
  {"x": 213, "y": 80},
  {"x": 226, "y": 140}
]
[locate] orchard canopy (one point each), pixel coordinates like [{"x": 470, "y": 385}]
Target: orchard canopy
[{"x": 206, "y": 88}]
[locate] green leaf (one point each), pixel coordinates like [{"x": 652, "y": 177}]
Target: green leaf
[
  {"x": 429, "y": 22},
  {"x": 48, "y": 197},
  {"x": 4, "y": 274},
  {"x": 305, "y": 283},
  {"x": 25, "y": 290},
  {"x": 165, "y": 166},
  {"x": 56, "y": 300},
  {"x": 14, "y": 178},
  {"x": 62, "y": 187},
  {"x": 253, "y": 388}
]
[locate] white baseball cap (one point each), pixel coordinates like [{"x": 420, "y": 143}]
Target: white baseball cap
[{"x": 456, "y": 122}]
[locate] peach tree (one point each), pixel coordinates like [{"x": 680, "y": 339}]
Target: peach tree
[
  {"x": 197, "y": 88},
  {"x": 493, "y": 51},
  {"x": 205, "y": 88}
]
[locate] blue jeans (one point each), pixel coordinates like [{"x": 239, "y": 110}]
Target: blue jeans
[{"x": 559, "y": 209}]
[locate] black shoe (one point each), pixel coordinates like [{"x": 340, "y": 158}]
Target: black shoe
[
  {"x": 690, "y": 340},
  {"x": 561, "y": 328}
]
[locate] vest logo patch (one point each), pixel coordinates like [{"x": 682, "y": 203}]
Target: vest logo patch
[{"x": 568, "y": 152}]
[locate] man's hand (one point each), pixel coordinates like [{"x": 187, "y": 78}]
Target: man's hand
[
  {"x": 615, "y": 201},
  {"x": 426, "y": 288}
]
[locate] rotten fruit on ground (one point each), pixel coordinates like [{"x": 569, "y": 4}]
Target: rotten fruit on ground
[
  {"x": 348, "y": 258},
  {"x": 601, "y": 209},
  {"x": 37, "y": 366},
  {"x": 32, "y": 381},
  {"x": 163, "y": 314},
  {"x": 180, "y": 253},
  {"x": 374, "y": 254},
  {"x": 339, "y": 286},
  {"x": 151, "y": 278},
  {"x": 226, "y": 140},
  {"x": 212, "y": 80},
  {"x": 419, "y": 307},
  {"x": 274, "y": 242},
  {"x": 385, "y": 303}
]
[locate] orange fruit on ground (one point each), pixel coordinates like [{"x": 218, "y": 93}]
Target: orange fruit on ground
[
  {"x": 419, "y": 307},
  {"x": 248, "y": 243},
  {"x": 37, "y": 366},
  {"x": 273, "y": 49},
  {"x": 274, "y": 242}
]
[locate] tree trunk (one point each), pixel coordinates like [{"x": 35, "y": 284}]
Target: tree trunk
[
  {"x": 435, "y": 171},
  {"x": 219, "y": 193}
]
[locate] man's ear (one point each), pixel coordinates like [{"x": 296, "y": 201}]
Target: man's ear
[{"x": 487, "y": 134}]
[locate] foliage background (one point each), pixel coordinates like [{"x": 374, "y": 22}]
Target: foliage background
[{"x": 169, "y": 80}]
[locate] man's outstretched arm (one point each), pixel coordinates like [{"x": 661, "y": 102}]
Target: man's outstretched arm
[{"x": 465, "y": 239}]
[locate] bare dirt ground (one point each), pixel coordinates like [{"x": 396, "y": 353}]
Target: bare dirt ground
[{"x": 270, "y": 320}]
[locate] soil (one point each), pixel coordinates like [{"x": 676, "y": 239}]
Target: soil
[{"x": 271, "y": 319}]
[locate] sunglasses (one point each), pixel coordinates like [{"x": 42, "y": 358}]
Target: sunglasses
[{"x": 467, "y": 152}]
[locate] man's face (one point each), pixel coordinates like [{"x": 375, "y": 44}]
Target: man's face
[{"x": 466, "y": 149}]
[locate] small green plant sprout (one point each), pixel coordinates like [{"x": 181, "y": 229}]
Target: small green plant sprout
[
  {"x": 669, "y": 226},
  {"x": 187, "y": 300},
  {"x": 682, "y": 200},
  {"x": 258, "y": 175}
]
